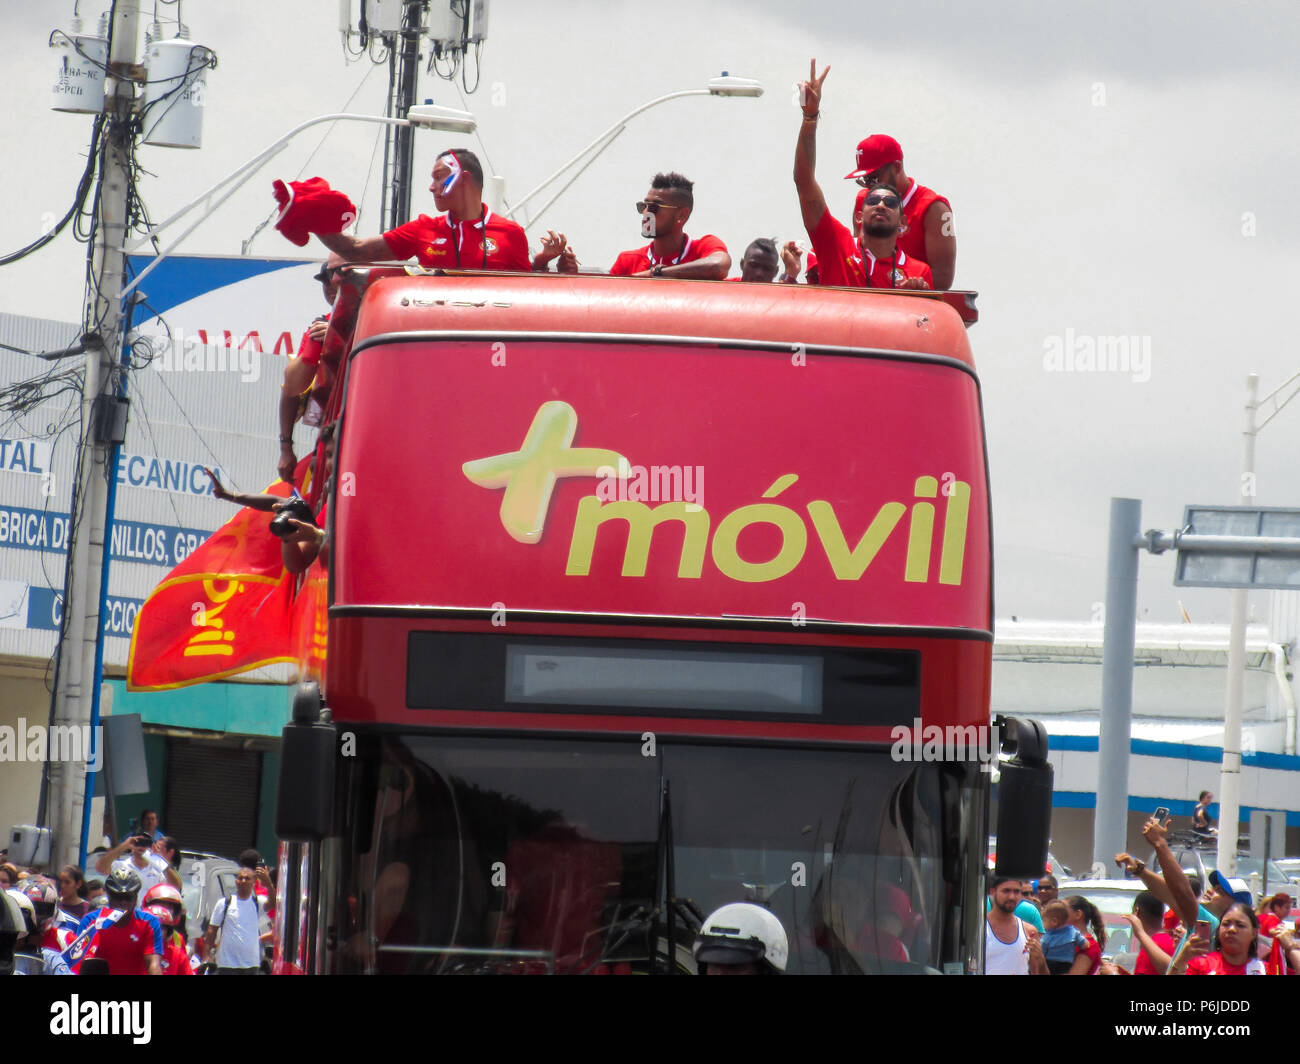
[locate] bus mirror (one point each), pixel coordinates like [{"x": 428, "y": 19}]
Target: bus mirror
[
  {"x": 1024, "y": 800},
  {"x": 308, "y": 752}
]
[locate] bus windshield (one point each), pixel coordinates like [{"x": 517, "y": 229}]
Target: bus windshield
[{"x": 535, "y": 854}]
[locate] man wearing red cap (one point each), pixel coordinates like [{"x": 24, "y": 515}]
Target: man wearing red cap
[
  {"x": 870, "y": 257},
  {"x": 929, "y": 235},
  {"x": 467, "y": 236}
]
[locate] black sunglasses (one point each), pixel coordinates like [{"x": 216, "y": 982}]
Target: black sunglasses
[
  {"x": 889, "y": 201},
  {"x": 327, "y": 274},
  {"x": 642, "y": 207}
]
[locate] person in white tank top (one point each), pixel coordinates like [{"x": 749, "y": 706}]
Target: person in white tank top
[{"x": 1009, "y": 948}]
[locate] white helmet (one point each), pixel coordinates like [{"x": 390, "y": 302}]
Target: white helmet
[{"x": 742, "y": 933}]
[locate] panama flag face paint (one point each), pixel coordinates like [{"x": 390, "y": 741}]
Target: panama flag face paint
[{"x": 453, "y": 164}]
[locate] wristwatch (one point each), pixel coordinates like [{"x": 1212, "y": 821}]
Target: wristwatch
[{"x": 657, "y": 270}]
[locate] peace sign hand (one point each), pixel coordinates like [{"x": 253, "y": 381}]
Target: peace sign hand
[{"x": 810, "y": 91}]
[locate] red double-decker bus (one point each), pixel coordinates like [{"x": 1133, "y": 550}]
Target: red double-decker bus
[{"x": 630, "y": 587}]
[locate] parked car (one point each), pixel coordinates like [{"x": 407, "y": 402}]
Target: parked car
[
  {"x": 1114, "y": 900},
  {"x": 205, "y": 880},
  {"x": 1291, "y": 869}
]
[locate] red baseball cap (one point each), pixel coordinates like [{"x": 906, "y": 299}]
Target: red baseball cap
[{"x": 876, "y": 151}]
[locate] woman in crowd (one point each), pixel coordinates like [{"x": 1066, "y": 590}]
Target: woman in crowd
[
  {"x": 1085, "y": 917},
  {"x": 8, "y": 876},
  {"x": 72, "y": 891},
  {"x": 1236, "y": 955},
  {"x": 1274, "y": 911}
]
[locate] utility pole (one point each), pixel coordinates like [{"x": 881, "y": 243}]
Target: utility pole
[
  {"x": 77, "y": 674},
  {"x": 1230, "y": 773},
  {"x": 403, "y": 78},
  {"x": 1110, "y": 826}
]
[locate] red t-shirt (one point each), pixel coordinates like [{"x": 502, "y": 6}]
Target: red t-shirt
[
  {"x": 630, "y": 262},
  {"x": 916, "y": 203},
  {"x": 840, "y": 260},
  {"x": 175, "y": 961},
  {"x": 126, "y": 943},
  {"x": 491, "y": 243},
  {"x": 1144, "y": 966},
  {"x": 1215, "y": 964},
  {"x": 1093, "y": 951}
]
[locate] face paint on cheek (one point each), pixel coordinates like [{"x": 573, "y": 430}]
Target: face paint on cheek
[
  {"x": 648, "y": 225},
  {"x": 449, "y": 182}
]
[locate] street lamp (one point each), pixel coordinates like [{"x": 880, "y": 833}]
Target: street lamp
[
  {"x": 423, "y": 116},
  {"x": 1230, "y": 770},
  {"x": 724, "y": 85}
]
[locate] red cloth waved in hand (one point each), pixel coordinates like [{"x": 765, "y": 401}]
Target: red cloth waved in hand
[{"x": 311, "y": 206}]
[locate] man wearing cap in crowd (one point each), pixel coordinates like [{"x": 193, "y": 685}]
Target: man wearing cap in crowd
[
  {"x": 870, "y": 256},
  {"x": 929, "y": 235},
  {"x": 468, "y": 235}
]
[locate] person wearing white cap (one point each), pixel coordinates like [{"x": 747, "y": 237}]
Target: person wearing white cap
[{"x": 741, "y": 939}]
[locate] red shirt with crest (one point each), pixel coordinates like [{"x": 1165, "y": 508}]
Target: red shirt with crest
[
  {"x": 840, "y": 260},
  {"x": 491, "y": 243},
  {"x": 641, "y": 259}
]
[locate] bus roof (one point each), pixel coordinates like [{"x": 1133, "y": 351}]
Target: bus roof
[{"x": 407, "y": 299}]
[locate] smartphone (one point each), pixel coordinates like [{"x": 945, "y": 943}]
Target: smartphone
[
  {"x": 1202, "y": 930},
  {"x": 1161, "y": 812},
  {"x": 1265, "y": 946}
]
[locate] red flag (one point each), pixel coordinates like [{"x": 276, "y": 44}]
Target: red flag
[{"x": 224, "y": 610}]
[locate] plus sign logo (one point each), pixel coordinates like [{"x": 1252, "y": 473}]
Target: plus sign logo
[{"x": 528, "y": 475}]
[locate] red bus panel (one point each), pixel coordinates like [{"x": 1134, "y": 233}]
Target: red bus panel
[{"x": 662, "y": 480}]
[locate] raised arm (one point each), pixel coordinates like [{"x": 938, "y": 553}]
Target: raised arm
[
  {"x": 104, "y": 862},
  {"x": 1181, "y": 898},
  {"x": 1153, "y": 881},
  {"x": 1159, "y": 958},
  {"x": 812, "y": 203},
  {"x": 259, "y": 501}
]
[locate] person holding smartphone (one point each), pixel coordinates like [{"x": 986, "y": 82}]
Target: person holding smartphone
[
  {"x": 135, "y": 854},
  {"x": 1238, "y": 946}
]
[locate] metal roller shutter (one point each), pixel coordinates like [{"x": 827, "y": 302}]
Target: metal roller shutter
[{"x": 212, "y": 797}]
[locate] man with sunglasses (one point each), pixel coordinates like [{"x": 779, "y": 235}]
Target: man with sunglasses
[
  {"x": 671, "y": 253},
  {"x": 929, "y": 234},
  {"x": 466, "y": 236},
  {"x": 869, "y": 257}
]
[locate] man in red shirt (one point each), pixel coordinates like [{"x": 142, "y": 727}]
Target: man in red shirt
[
  {"x": 128, "y": 939},
  {"x": 929, "y": 235},
  {"x": 670, "y": 253},
  {"x": 870, "y": 256},
  {"x": 468, "y": 237},
  {"x": 301, "y": 370}
]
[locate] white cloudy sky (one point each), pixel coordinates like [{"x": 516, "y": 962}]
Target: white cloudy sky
[{"x": 1107, "y": 163}]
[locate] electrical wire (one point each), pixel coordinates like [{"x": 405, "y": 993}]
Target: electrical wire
[{"x": 78, "y": 201}]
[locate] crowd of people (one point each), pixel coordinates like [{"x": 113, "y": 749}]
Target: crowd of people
[
  {"x": 1176, "y": 928},
  {"x": 131, "y": 918}
]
